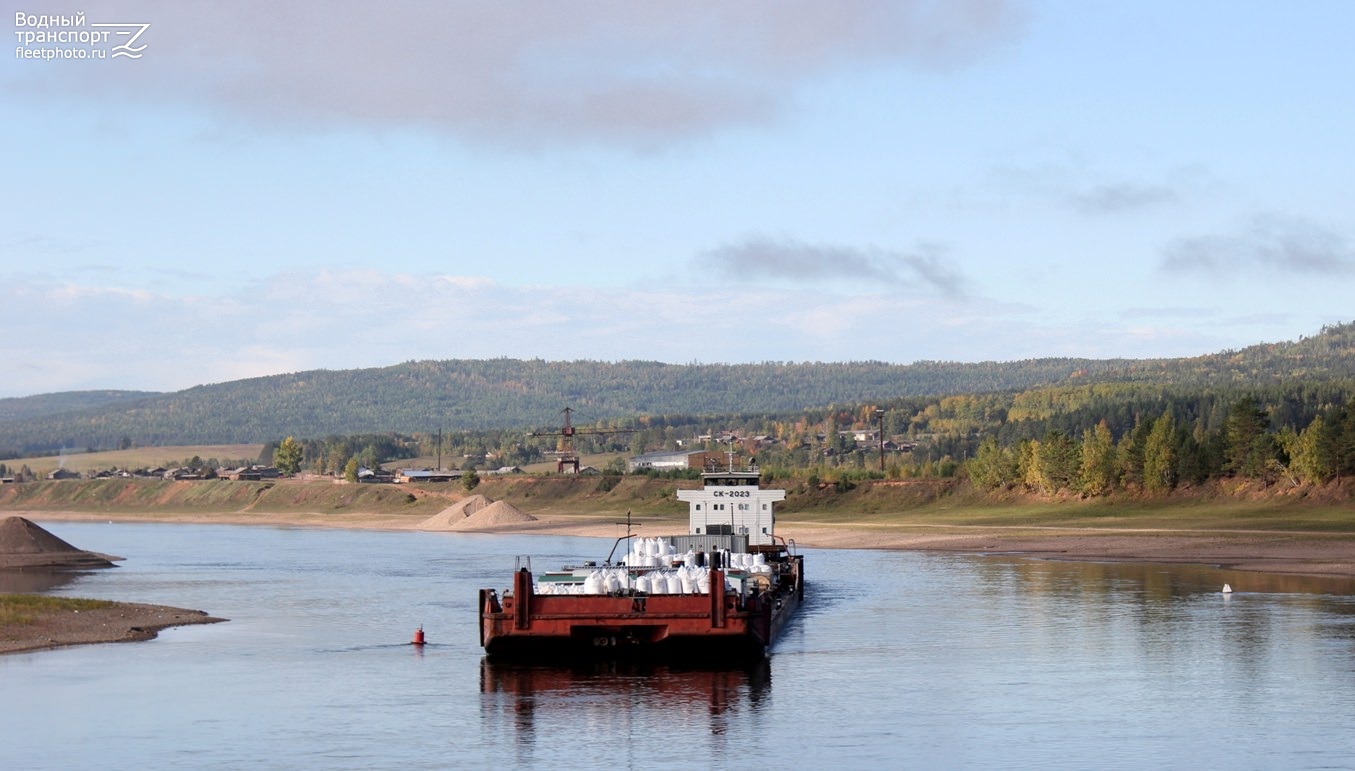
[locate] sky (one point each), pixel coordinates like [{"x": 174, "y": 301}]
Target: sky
[{"x": 266, "y": 188}]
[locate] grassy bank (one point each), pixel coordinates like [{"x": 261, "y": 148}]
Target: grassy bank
[
  {"x": 29, "y": 609},
  {"x": 127, "y": 496},
  {"x": 941, "y": 503}
]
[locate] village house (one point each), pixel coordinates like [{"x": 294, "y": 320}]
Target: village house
[
  {"x": 671, "y": 459},
  {"x": 408, "y": 475},
  {"x": 249, "y": 473}
]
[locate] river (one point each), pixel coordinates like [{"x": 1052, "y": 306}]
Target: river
[{"x": 897, "y": 659}]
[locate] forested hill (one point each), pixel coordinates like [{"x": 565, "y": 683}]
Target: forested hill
[
  {"x": 14, "y": 410},
  {"x": 423, "y": 396}
]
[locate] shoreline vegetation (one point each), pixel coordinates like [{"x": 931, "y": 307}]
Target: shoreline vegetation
[
  {"x": 1295, "y": 533},
  {"x": 35, "y": 622}
]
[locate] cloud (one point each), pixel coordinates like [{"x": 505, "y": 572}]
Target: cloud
[
  {"x": 1269, "y": 243},
  {"x": 1094, "y": 188},
  {"x": 71, "y": 293},
  {"x": 788, "y": 260},
  {"x": 1121, "y": 197},
  {"x": 611, "y": 71}
]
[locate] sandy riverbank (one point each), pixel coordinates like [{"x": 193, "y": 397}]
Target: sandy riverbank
[{"x": 1293, "y": 553}]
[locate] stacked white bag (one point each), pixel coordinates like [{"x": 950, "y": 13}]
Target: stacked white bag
[{"x": 651, "y": 552}]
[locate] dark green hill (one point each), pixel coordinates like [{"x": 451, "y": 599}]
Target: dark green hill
[
  {"x": 43, "y": 405},
  {"x": 421, "y": 396}
]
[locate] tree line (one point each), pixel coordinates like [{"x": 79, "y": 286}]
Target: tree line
[
  {"x": 1091, "y": 440},
  {"x": 510, "y": 394},
  {"x": 1160, "y": 453}
]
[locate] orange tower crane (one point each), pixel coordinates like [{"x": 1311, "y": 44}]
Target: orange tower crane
[{"x": 567, "y": 455}]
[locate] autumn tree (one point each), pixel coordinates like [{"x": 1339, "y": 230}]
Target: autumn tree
[
  {"x": 287, "y": 457},
  {"x": 1159, "y": 455},
  {"x": 1028, "y": 464},
  {"x": 1098, "y": 460},
  {"x": 993, "y": 466}
]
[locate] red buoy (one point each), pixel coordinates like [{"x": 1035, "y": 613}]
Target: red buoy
[{"x": 418, "y": 637}]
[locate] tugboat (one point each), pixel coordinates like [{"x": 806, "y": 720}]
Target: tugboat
[{"x": 720, "y": 594}]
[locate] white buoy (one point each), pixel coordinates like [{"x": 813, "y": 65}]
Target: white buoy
[{"x": 1227, "y": 589}]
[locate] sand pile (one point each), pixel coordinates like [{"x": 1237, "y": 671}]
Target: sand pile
[
  {"x": 455, "y": 513},
  {"x": 26, "y": 545},
  {"x": 496, "y": 514}
]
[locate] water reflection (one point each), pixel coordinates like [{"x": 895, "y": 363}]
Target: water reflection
[
  {"x": 602, "y": 694},
  {"x": 35, "y": 581},
  {"x": 1172, "y": 622},
  {"x": 1162, "y": 581}
]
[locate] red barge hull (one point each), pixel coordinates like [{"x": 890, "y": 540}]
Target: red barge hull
[{"x": 724, "y": 627}]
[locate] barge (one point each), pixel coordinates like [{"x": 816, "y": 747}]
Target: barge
[{"x": 721, "y": 593}]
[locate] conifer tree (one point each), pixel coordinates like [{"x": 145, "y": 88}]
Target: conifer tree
[{"x": 1249, "y": 447}]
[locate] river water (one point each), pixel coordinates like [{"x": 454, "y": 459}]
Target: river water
[{"x": 897, "y": 659}]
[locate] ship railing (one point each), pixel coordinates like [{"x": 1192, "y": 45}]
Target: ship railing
[
  {"x": 522, "y": 561},
  {"x": 710, "y": 542}
]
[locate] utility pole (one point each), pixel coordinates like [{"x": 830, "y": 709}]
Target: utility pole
[{"x": 880, "y": 416}]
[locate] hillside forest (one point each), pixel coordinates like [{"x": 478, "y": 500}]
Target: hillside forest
[{"x": 1274, "y": 414}]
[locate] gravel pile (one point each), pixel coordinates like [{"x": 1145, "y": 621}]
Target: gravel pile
[
  {"x": 455, "y": 513},
  {"x": 26, "y": 545},
  {"x": 496, "y": 514}
]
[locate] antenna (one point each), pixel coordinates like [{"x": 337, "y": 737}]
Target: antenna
[{"x": 629, "y": 524}]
